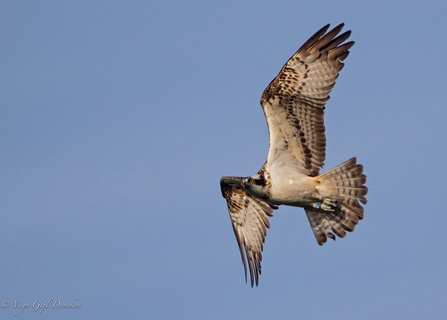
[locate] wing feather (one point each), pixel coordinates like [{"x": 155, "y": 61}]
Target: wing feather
[
  {"x": 250, "y": 220},
  {"x": 294, "y": 102}
]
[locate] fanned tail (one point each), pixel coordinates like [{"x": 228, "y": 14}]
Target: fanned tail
[{"x": 348, "y": 179}]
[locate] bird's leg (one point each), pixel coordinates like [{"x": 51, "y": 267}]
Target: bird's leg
[{"x": 327, "y": 204}]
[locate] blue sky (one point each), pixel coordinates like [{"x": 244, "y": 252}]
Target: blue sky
[{"x": 119, "y": 118}]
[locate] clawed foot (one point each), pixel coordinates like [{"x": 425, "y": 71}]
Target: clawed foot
[{"x": 327, "y": 204}]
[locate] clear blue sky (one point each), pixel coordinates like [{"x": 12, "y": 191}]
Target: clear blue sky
[{"x": 119, "y": 118}]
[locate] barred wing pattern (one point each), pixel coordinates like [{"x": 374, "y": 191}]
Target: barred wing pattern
[
  {"x": 250, "y": 220},
  {"x": 293, "y": 103}
]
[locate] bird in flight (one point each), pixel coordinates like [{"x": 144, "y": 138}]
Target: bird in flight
[{"x": 293, "y": 105}]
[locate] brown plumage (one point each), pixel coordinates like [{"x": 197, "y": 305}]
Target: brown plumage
[
  {"x": 349, "y": 180},
  {"x": 293, "y": 104}
]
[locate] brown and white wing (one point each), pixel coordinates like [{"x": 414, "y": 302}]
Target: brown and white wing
[
  {"x": 294, "y": 101},
  {"x": 250, "y": 220}
]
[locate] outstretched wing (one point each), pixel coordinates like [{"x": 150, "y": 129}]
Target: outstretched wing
[
  {"x": 250, "y": 219},
  {"x": 293, "y": 103}
]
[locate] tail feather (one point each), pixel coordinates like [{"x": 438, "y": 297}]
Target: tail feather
[
  {"x": 348, "y": 181},
  {"x": 354, "y": 193}
]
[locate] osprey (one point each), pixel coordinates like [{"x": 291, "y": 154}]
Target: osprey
[{"x": 293, "y": 105}]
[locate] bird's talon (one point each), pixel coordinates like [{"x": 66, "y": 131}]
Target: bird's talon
[{"x": 327, "y": 204}]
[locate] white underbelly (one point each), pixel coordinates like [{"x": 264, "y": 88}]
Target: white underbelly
[{"x": 293, "y": 190}]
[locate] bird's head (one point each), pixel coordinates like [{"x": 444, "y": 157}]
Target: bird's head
[{"x": 256, "y": 186}]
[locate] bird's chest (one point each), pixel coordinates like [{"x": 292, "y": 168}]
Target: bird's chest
[{"x": 292, "y": 188}]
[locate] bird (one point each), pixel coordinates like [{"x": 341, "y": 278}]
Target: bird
[{"x": 293, "y": 104}]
